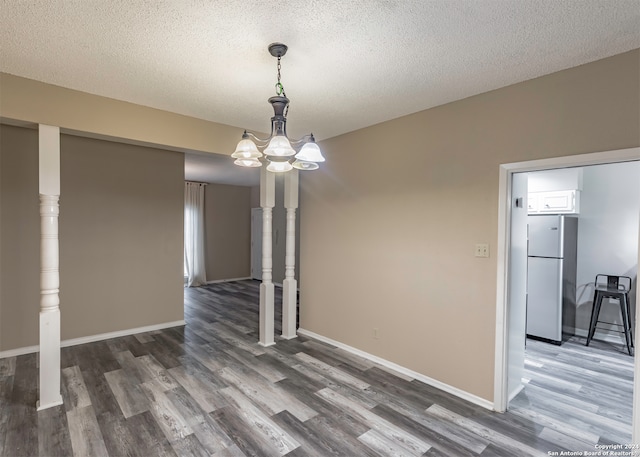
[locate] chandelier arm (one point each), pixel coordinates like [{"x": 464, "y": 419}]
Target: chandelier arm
[
  {"x": 295, "y": 143},
  {"x": 301, "y": 141},
  {"x": 261, "y": 141}
]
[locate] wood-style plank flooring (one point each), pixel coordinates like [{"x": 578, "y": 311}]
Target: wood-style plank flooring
[
  {"x": 586, "y": 391},
  {"x": 208, "y": 389}
]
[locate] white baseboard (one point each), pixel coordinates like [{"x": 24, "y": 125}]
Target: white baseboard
[
  {"x": 93, "y": 338},
  {"x": 516, "y": 391},
  {"x": 403, "y": 370},
  {"x": 19, "y": 351},
  {"x": 216, "y": 281}
]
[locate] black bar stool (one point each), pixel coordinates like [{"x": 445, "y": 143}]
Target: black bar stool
[{"x": 617, "y": 288}]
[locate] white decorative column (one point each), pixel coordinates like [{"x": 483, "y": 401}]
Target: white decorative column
[
  {"x": 267, "y": 202},
  {"x": 49, "y": 184},
  {"x": 290, "y": 285}
]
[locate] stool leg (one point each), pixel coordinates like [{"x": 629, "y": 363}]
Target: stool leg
[
  {"x": 595, "y": 311},
  {"x": 631, "y": 323},
  {"x": 625, "y": 321}
]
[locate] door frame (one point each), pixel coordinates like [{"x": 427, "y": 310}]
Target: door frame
[{"x": 500, "y": 395}]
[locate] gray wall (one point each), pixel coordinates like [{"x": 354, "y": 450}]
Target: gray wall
[
  {"x": 19, "y": 238},
  {"x": 227, "y": 231},
  {"x": 121, "y": 237},
  {"x": 607, "y": 236},
  {"x": 279, "y": 231}
]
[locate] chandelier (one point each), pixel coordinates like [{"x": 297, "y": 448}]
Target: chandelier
[{"x": 280, "y": 153}]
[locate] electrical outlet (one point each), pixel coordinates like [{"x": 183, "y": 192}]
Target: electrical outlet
[
  {"x": 376, "y": 334},
  {"x": 482, "y": 250}
]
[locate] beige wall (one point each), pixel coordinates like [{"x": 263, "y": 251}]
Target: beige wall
[
  {"x": 228, "y": 231},
  {"x": 390, "y": 220},
  {"x": 121, "y": 237},
  {"x": 31, "y": 101}
]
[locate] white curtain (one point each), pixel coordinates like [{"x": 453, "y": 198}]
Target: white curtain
[{"x": 194, "y": 234}]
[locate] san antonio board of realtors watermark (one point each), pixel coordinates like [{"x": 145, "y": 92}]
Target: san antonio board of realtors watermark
[{"x": 609, "y": 450}]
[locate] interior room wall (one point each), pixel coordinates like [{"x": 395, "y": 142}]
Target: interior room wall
[
  {"x": 279, "y": 231},
  {"x": 391, "y": 219},
  {"x": 26, "y": 100},
  {"x": 607, "y": 238},
  {"x": 19, "y": 238},
  {"x": 255, "y": 197},
  {"x": 121, "y": 237},
  {"x": 227, "y": 231}
]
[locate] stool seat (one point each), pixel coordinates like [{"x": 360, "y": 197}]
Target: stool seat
[{"x": 616, "y": 288}]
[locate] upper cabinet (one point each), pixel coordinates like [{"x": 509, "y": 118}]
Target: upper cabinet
[{"x": 554, "y": 202}]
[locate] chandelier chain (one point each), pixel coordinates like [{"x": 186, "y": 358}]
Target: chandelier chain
[{"x": 280, "y": 88}]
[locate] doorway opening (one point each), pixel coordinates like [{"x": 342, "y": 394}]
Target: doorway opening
[{"x": 510, "y": 338}]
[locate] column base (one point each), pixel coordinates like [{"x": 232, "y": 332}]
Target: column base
[
  {"x": 289, "y": 308},
  {"x": 266, "y": 314},
  {"x": 49, "y": 385},
  {"x": 58, "y": 402}
]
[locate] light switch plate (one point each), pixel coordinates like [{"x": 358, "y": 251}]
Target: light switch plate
[{"x": 482, "y": 250}]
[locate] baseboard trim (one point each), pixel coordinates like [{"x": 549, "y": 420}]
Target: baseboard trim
[
  {"x": 217, "y": 281},
  {"x": 19, "y": 351},
  {"x": 119, "y": 333},
  {"x": 515, "y": 393},
  {"x": 403, "y": 370},
  {"x": 93, "y": 338}
]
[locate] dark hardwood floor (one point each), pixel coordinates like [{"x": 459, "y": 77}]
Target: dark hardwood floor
[{"x": 208, "y": 389}]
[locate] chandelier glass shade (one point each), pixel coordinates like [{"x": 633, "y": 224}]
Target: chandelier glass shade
[
  {"x": 279, "y": 146},
  {"x": 280, "y": 153}
]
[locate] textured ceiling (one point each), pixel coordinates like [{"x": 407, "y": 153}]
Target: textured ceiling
[{"x": 351, "y": 63}]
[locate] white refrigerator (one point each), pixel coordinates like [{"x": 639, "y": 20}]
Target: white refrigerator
[{"x": 551, "y": 276}]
